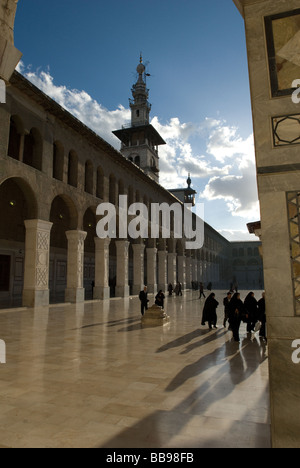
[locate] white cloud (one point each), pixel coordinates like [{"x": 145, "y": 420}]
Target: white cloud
[
  {"x": 81, "y": 105},
  {"x": 239, "y": 188},
  {"x": 225, "y": 143}
]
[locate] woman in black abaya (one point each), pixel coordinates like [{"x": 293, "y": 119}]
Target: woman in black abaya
[
  {"x": 252, "y": 311},
  {"x": 236, "y": 313},
  {"x": 210, "y": 311}
]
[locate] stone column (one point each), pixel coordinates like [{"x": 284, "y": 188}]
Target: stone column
[
  {"x": 122, "y": 287},
  {"x": 152, "y": 270},
  {"x": 181, "y": 271},
  {"x": 200, "y": 271},
  {"x": 101, "y": 289},
  {"x": 188, "y": 272},
  {"x": 172, "y": 269},
  {"x": 195, "y": 269},
  {"x": 138, "y": 268},
  {"x": 75, "y": 290},
  {"x": 162, "y": 270},
  {"x": 37, "y": 255}
]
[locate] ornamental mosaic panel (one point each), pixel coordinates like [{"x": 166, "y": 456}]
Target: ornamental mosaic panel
[
  {"x": 293, "y": 199},
  {"x": 283, "y": 41},
  {"x": 286, "y": 130}
]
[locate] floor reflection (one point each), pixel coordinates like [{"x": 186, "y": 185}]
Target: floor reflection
[{"x": 91, "y": 376}]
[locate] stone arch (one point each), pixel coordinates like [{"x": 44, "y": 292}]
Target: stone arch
[
  {"x": 89, "y": 226},
  {"x": 16, "y": 133},
  {"x": 18, "y": 204},
  {"x": 100, "y": 183},
  {"x": 66, "y": 211},
  {"x": 112, "y": 190},
  {"x": 58, "y": 161},
  {"x": 73, "y": 169},
  {"x": 89, "y": 178},
  {"x": 130, "y": 195},
  {"x": 121, "y": 187},
  {"x": 33, "y": 149},
  {"x": 28, "y": 193},
  {"x": 63, "y": 215}
]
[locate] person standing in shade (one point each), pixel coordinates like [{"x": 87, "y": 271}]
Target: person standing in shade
[
  {"x": 236, "y": 311},
  {"x": 226, "y": 304},
  {"x": 262, "y": 317},
  {"x": 252, "y": 312},
  {"x": 144, "y": 300},
  {"x": 210, "y": 312}
]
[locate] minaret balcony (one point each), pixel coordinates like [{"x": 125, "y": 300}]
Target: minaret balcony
[{"x": 135, "y": 124}]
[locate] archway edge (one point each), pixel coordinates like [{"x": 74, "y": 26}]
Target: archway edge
[
  {"x": 71, "y": 207},
  {"x": 31, "y": 199}
]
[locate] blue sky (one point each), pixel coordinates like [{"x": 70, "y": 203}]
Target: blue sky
[{"x": 84, "y": 53}]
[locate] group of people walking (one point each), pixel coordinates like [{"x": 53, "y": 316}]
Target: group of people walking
[
  {"x": 236, "y": 311},
  {"x": 177, "y": 290}
]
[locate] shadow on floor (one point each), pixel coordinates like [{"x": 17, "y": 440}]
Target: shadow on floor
[{"x": 176, "y": 428}]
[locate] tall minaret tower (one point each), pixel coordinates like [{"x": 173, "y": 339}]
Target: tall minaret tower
[{"x": 140, "y": 140}]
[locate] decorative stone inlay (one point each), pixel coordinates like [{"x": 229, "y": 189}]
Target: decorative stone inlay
[
  {"x": 286, "y": 130},
  {"x": 293, "y": 199}
]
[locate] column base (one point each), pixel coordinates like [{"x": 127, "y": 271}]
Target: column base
[
  {"x": 75, "y": 295},
  {"x": 101, "y": 293},
  {"x": 33, "y": 298},
  {"x": 122, "y": 291}
]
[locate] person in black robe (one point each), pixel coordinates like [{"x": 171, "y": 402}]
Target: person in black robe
[
  {"x": 226, "y": 303},
  {"x": 210, "y": 312},
  {"x": 236, "y": 313},
  {"x": 262, "y": 317},
  {"x": 252, "y": 312},
  {"x": 159, "y": 299},
  {"x": 144, "y": 300}
]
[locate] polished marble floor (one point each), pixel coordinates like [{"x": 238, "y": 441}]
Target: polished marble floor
[{"x": 90, "y": 376}]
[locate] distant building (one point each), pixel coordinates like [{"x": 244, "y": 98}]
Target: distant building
[{"x": 247, "y": 265}]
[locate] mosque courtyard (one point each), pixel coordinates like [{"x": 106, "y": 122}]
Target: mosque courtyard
[{"x": 89, "y": 375}]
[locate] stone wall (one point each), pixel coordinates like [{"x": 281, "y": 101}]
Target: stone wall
[{"x": 278, "y": 176}]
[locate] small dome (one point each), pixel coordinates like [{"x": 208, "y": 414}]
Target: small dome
[{"x": 140, "y": 68}]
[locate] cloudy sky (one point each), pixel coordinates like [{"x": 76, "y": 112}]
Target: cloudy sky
[{"x": 83, "y": 53}]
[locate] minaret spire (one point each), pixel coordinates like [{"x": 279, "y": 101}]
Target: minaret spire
[
  {"x": 140, "y": 141},
  {"x": 140, "y": 107}
]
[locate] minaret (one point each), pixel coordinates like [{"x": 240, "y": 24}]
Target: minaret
[
  {"x": 186, "y": 195},
  {"x": 140, "y": 140}
]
